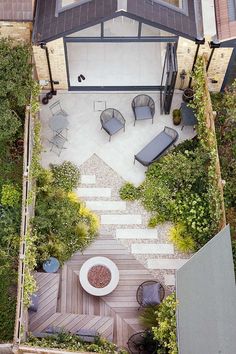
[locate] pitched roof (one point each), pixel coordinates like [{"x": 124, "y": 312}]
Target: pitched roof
[
  {"x": 49, "y": 24},
  {"x": 16, "y": 10},
  {"x": 206, "y": 295}
]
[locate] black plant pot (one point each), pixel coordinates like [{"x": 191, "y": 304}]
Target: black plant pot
[{"x": 188, "y": 95}]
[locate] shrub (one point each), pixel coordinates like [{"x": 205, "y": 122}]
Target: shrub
[
  {"x": 148, "y": 317},
  {"x": 129, "y": 192},
  {"x": 9, "y": 123},
  {"x": 176, "y": 116},
  {"x": 73, "y": 343},
  {"x": 10, "y": 195},
  {"x": 182, "y": 241},
  {"x": 66, "y": 176},
  {"x": 155, "y": 220}
]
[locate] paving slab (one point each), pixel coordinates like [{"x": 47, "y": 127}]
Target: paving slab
[
  {"x": 165, "y": 263},
  {"x": 136, "y": 233},
  {"x": 127, "y": 219},
  {"x": 88, "y": 179},
  {"x": 152, "y": 248},
  {"x": 105, "y": 205},
  {"x": 94, "y": 192}
]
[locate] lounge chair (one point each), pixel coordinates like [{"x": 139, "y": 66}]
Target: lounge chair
[
  {"x": 157, "y": 147},
  {"x": 188, "y": 115},
  {"x": 112, "y": 121},
  {"x": 143, "y": 107}
]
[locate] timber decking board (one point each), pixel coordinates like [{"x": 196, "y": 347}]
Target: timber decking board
[{"x": 115, "y": 315}]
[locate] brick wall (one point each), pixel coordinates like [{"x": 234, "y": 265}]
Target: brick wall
[
  {"x": 19, "y": 31},
  {"x": 185, "y": 56},
  {"x": 57, "y": 61}
]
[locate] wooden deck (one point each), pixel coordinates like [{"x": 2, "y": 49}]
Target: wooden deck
[{"x": 73, "y": 301}]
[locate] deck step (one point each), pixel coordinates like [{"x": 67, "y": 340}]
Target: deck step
[
  {"x": 88, "y": 179},
  {"x": 165, "y": 263},
  {"x": 127, "y": 219},
  {"x": 94, "y": 192},
  {"x": 136, "y": 234},
  {"x": 152, "y": 248},
  {"x": 169, "y": 279},
  {"x": 105, "y": 205}
]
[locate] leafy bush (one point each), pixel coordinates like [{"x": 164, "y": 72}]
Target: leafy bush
[
  {"x": 10, "y": 195},
  {"x": 74, "y": 343},
  {"x": 66, "y": 176},
  {"x": 9, "y": 122},
  {"x": 155, "y": 220},
  {"x": 129, "y": 192},
  {"x": 62, "y": 224},
  {"x": 182, "y": 241}
]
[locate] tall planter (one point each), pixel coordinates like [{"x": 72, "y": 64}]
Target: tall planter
[{"x": 188, "y": 95}]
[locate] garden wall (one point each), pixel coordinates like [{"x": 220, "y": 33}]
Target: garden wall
[{"x": 19, "y": 31}]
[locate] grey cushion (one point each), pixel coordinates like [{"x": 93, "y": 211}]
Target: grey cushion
[
  {"x": 143, "y": 113},
  {"x": 112, "y": 126},
  {"x": 34, "y": 302},
  {"x": 88, "y": 335},
  {"x": 154, "y": 149},
  {"x": 188, "y": 115},
  {"x": 151, "y": 294}
]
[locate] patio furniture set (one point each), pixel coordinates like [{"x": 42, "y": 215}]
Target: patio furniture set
[
  {"x": 143, "y": 107},
  {"x": 59, "y": 126}
]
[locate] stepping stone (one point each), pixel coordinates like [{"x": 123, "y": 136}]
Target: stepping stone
[
  {"x": 106, "y": 205},
  {"x": 127, "y": 219},
  {"x": 151, "y": 248},
  {"x": 163, "y": 263},
  {"x": 94, "y": 192},
  {"x": 88, "y": 179},
  {"x": 136, "y": 234},
  {"x": 169, "y": 279}
]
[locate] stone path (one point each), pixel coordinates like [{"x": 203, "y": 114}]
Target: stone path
[{"x": 127, "y": 221}]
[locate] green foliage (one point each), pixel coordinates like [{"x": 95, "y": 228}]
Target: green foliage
[
  {"x": 73, "y": 343},
  {"x": 9, "y": 122},
  {"x": 10, "y": 195},
  {"x": 165, "y": 329},
  {"x": 155, "y": 220},
  {"x": 176, "y": 116},
  {"x": 62, "y": 225},
  {"x": 148, "y": 317},
  {"x": 182, "y": 241},
  {"x": 129, "y": 192},
  {"x": 30, "y": 264},
  {"x": 8, "y": 280},
  {"x": 66, "y": 176}
]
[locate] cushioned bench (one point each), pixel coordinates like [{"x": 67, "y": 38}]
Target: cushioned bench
[
  {"x": 188, "y": 115},
  {"x": 157, "y": 147}
]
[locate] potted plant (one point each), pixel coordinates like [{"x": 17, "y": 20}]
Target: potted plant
[
  {"x": 188, "y": 94},
  {"x": 176, "y": 116}
]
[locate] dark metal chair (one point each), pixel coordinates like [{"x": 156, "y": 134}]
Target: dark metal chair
[
  {"x": 188, "y": 116},
  {"x": 157, "y": 147},
  {"x": 57, "y": 142},
  {"x": 142, "y": 343},
  {"x": 150, "y": 293},
  {"x": 143, "y": 107},
  {"x": 112, "y": 121}
]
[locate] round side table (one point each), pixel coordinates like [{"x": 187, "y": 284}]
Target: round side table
[
  {"x": 51, "y": 265},
  {"x": 99, "y": 261}
]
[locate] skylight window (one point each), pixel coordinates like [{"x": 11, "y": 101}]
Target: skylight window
[{"x": 67, "y": 4}]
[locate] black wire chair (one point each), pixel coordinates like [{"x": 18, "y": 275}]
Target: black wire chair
[
  {"x": 143, "y": 302},
  {"x": 143, "y": 107},
  {"x": 142, "y": 343}
]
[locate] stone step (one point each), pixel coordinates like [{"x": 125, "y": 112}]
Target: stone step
[
  {"x": 169, "y": 279},
  {"x": 87, "y": 179},
  {"x": 152, "y": 248},
  {"x": 105, "y": 205},
  {"x": 127, "y": 219},
  {"x": 136, "y": 234},
  {"x": 165, "y": 263},
  {"x": 94, "y": 192}
]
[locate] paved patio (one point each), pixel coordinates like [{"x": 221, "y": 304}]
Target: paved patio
[{"x": 86, "y": 138}]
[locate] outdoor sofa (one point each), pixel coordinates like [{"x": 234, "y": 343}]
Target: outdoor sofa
[{"x": 157, "y": 147}]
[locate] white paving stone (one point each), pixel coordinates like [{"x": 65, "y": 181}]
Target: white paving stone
[
  {"x": 169, "y": 279},
  {"x": 88, "y": 179},
  {"x": 152, "y": 248},
  {"x": 136, "y": 234},
  {"x": 94, "y": 192},
  {"x": 165, "y": 263},
  {"x": 105, "y": 205},
  {"x": 127, "y": 219}
]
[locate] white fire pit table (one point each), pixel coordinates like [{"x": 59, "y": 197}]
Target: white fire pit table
[{"x": 99, "y": 276}]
